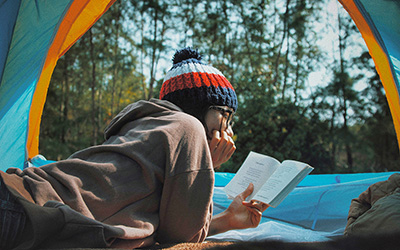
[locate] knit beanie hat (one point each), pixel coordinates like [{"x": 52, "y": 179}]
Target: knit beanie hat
[{"x": 193, "y": 85}]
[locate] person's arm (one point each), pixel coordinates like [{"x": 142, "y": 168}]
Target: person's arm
[
  {"x": 185, "y": 209},
  {"x": 240, "y": 214}
]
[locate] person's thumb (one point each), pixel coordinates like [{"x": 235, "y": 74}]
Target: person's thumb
[{"x": 248, "y": 191}]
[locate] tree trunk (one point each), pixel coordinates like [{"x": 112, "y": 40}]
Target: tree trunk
[
  {"x": 285, "y": 74},
  {"x": 93, "y": 87},
  {"x": 343, "y": 82},
  {"x": 115, "y": 51},
  {"x": 65, "y": 95},
  {"x": 285, "y": 31}
]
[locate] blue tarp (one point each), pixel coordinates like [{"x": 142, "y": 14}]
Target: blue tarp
[{"x": 316, "y": 210}]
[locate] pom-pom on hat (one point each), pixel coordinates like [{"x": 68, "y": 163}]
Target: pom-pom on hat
[{"x": 192, "y": 84}]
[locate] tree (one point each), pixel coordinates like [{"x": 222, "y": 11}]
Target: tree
[
  {"x": 266, "y": 49},
  {"x": 378, "y": 136},
  {"x": 339, "y": 98},
  {"x": 153, "y": 22},
  {"x": 91, "y": 82}
]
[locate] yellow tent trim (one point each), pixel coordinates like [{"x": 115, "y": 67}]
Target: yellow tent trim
[
  {"x": 381, "y": 62},
  {"x": 79, "y": 18}
]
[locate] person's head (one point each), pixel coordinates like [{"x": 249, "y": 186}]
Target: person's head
[{"x": 200, "y": 90}]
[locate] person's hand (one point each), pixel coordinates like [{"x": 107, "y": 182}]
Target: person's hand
[
  {"x": 245, "y": 214},
  {"x": 240, "y": 214},
  {"x": 222, "y": 147}
]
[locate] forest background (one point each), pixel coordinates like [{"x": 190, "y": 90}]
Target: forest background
[{"x": 269, "y": 50}]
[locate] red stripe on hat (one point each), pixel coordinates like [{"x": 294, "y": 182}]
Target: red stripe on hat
[
  {"x": 206, "y": 78},
  {"x": 193, "y": 80},
  {"x": 222, "y": 81},
  {"x": 200, "y": 80}
]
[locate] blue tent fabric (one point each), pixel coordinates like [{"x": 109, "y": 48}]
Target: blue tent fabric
[
  {"x": 33, "y": 36},
  {"x": 386, "y": 28},
  {"x": 316, "y": 210},
  {"x": 8, "y": 15},
  {"x": 25, "y": 55},
  {"x": 378, "y": 23}
]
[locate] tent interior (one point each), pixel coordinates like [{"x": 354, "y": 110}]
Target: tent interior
[{"x": 315, "y": 211}]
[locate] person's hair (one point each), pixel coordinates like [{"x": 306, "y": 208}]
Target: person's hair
[{"x": 199, "y": 112}]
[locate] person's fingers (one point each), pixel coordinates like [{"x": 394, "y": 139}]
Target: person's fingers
[
  {"x": 246, "y": 193},
  {"x": 229, "y": 131},
  {"x": 264, "y": 207},
  {"x": 228, "y": 146},
  {"x": 215, "y": 140},
  {"x": 231, "y": 140},
  {"x": 256, "y": 204},
  {"x": 224, "y": 146},
  {"x": 219, "y": 150},
  {"x": 255, "y": 216},
  {"x": 255, "y": 211},
  {"x": 231, "y": 151}
]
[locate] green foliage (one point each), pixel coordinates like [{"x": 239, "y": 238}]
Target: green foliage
[
  {"x": 267, "y": 50},
  {"x": 91, "y": 83},
  {"x": 281, "y": 130}
]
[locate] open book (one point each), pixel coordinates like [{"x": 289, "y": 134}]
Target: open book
[{"x": 272, "y": 180}]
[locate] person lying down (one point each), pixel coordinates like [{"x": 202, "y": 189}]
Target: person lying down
[{"x": 150, "y": 181}]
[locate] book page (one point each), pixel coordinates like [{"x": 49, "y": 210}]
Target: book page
[
  {"x": 281, "y": 178},
  {"x": 256, "y": 169}
]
